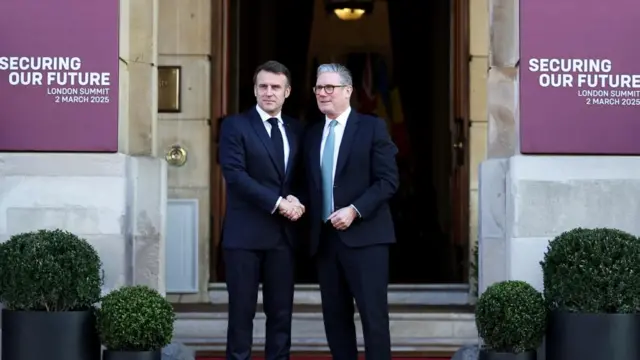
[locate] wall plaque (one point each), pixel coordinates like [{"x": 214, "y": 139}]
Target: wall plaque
[{"x": 169, "y": 92}]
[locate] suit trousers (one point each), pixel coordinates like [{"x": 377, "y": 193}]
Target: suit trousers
[
  {"x": 245, "y": 269},
  {"x": 345, "y": 274}
]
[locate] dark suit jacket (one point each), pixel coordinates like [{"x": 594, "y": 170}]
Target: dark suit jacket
[
  {"x": 254, "y": 182},
  {"x": 366, "y": 176}
]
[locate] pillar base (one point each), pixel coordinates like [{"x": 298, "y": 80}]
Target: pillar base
[
  {"x": 525, "y": 201},
  {"x": 116, "y": 202}
]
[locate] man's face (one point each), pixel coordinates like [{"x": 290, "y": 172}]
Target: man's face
[
  {"x": 271, "y": 90},
  {"x": 333, "y": 98}
]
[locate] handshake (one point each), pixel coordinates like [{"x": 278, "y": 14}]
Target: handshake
[{"x": 291, "y": 208}]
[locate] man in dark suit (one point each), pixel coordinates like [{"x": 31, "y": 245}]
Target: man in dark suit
[
  {"x": 258, "y": 151},
  {"x": 352, "y": 174}
]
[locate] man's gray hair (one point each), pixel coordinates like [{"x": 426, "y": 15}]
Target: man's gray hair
[{"x": 345, "y": 74}]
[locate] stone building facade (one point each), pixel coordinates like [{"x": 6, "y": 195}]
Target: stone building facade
[{"x": 118, "y": 201}]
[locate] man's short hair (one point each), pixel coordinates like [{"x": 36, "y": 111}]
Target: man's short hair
[
  {"x": 341, "y": 70},
  {"x": 273, "y": 67}
]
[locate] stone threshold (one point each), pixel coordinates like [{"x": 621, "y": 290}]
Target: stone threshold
[
  {"x": 423, "y": 318},
  {"x": 410, "y": 332},
  {"x": 410, "y": 294}
]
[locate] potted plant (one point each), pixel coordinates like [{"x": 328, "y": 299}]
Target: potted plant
[
  {"x": 135, "y": 323},
  {"x": 592, "y": 288},
  {"x": 50, "y": 281},
  {"x": 510, "y": 317}
]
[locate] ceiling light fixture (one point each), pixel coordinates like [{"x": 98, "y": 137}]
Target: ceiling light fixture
[
  {"x": 349, "y": 14},
  {"x": 349, "y": 10}
]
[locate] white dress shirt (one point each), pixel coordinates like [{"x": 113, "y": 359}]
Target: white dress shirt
[
  {"x": 285, "y": 141},
  {"x": 338, "y": 132}
]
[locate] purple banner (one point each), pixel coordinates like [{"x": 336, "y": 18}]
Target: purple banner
[
  {"x": 579, "y": 77},
  {"x": 59, "y": 75}
]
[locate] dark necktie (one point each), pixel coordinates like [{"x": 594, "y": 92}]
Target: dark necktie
[{"x": 278, "y": 144}]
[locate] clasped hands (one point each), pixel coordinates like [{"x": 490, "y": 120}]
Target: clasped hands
[
  {"x": 291, "y": 208},
  {"x": 341, "y": 219}
]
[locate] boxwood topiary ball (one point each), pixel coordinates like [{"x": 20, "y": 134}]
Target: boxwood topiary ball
[
  {"x": 135, "y": 318},
  {"x": 511, "y": 317},
  {"x": 592, "y": 271},
  {"x": 49, "y": 270}
]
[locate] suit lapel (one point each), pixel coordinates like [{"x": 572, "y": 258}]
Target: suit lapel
[
  {"x": 293, "y": 145},
  {"x": 316, "y": 142},
  {"x": 347, "y": 141},
  {"x": 261, "y": 131}
]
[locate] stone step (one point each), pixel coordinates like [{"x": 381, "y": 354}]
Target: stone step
[
  {"x": 398, "y": 294},
  {"x": 411, "y": 331}
]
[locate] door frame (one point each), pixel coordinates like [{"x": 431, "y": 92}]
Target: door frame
[
  {"x": 460, "y": 123},
  {"x": 221, "y": 40},
  {"x": 224, "y": 82}
]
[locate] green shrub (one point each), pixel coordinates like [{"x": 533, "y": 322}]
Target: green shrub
[
  {"x": 593, "y": 271},
  {"x": 511, "y": 317},
  {"x": 49, "y": 270},
  {"x": 135, "y": 318}
]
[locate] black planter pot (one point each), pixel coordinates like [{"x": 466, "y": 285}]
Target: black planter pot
[
  {"x": 593, "y": 336},
  {"x": 492, "y": 355},
  {"x": 37, "y": 335},
  {"x": 132, "y": 355}
]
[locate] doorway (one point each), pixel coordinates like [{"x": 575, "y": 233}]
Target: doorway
[{"x": 409, "y": 65}]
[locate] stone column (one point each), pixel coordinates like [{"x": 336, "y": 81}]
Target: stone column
[
  {"x": 138, "y": 118},
  {"x": 502, "y": 100},
  {"x": 478, "y": 69}
]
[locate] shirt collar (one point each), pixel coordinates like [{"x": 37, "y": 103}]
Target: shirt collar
[
  {"x": 264, "y": 116},
  {"x": 341, "y": 119}
]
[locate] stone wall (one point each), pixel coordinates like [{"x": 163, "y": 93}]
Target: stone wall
[
  {"x": 168, "y": 32},
  {"x": 185, "y": 39}
]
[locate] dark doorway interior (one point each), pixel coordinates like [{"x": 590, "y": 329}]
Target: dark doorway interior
[{"x": 405, "y": 80}]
